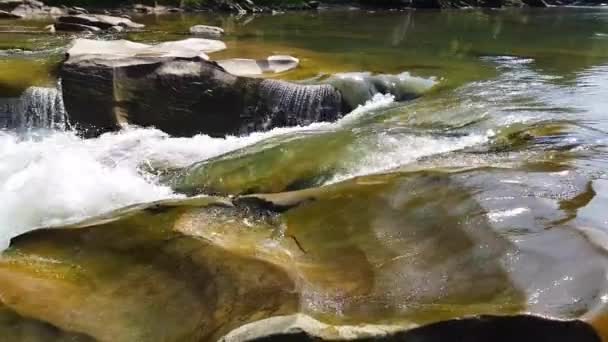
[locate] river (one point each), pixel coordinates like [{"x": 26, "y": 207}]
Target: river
[{"x": 483, "y": 195}]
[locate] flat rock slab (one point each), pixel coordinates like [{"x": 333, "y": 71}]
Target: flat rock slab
[
  {"x": 104, "y": 22},
  {"x": 207, "y": 31},
  {"x": 251, "y": 67},
  {"x": 99, "y": 50}
]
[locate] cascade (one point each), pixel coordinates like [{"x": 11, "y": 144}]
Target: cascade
[
  {"x": 37, "y": 107},
  {"x": 296, "y": 104}
]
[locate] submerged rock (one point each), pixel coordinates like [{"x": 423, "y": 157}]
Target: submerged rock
[
  {"x": 358, "y": 260},
  {"x": 15, "y": 327},
  {"x": 207, "y": 31},
  {"x": 171, "y": 86},
  {"x": 151, "y": 284}
]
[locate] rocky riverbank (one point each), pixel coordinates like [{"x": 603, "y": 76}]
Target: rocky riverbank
[{"x": 12, "y": 9}]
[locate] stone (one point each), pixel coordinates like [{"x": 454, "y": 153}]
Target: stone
[
  {"x": 101, "y": 21},
  {"x": 321, "y": 264},
  {"x": 72, "y": 27},
  {"x": 77, "y": 11},
  {"x": 313, "y": 4},
  {"x": 303, "y": 328},
  {"x": 34, "y": 3},
  {"x": 55, "y": 11},
  {"x": 156, "y": 285},
  {"x": 300, "y": 324},
  {"x": 51, "y": 28},
  {"x": 143, "y": 8},
  {"x": 117, "y": 29},
  {"x": 158, "y": 9},
  {"x": 9, "y": 15},
  {"x": 174, "y": 87},
  {"x": 9, "y": 5},
  {"x": 250, "y": 67},
  {"x": 207, "y": 31},
  {"x": 112, "y": 50}
]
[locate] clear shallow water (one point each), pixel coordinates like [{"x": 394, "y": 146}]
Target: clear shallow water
[{"x": 508, "y": 150}]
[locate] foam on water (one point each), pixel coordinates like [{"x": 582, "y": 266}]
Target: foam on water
[
  {"x": 387, "y": 152},
  {"x": 60, "y": 178},
  {"x": 50, "y": 178}
]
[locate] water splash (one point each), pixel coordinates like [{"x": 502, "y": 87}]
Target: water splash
[
  {"x": 37, "y": 107},
  {"x": 359, "y": 87},
  {"x": 51, "y": 178}
]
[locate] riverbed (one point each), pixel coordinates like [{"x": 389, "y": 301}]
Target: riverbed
[{"x": 485, "y": 195}]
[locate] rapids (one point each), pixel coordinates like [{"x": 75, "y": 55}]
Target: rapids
[{"x": 470, "y": 178}]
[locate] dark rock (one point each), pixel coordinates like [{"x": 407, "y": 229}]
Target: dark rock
[
  {"x": 9, "y": 15},
  {"x": 9, "y": 5},
  {"x": 477, "y": 329},
  {"x": 71, "y": 27},
  {"x": 313, "y": 4},
  {"x": 34, "y": 3},
  {"x": 176, "y": 90},
  {"x": 101, "y": 21},
  {"x": 77, "y": 10},
  {"x": 535, "y": 3},
  {"x": 117, "y": 29},
  {"x": 54, "y": 11}
]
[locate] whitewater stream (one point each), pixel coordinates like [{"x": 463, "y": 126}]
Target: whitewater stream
[{"x": 487, "y": 194}]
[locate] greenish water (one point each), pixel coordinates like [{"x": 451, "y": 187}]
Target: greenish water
[{"x": 485, "y": 195}]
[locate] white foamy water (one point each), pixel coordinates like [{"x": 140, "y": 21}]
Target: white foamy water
[
  {"x": 50, "y": 178},
  {"x": 388, "y": 152}
]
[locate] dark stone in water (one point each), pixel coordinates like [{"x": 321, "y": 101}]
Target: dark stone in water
[
  {"x": 181, "y": 93},
  {"x": 103, "y": 22},
  {"x": 8, "y": 15},
  {"x": 61, "y": 26},
  {"x": 476, "y": 329}
]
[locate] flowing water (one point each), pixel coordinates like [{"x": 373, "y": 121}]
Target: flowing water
[{"x": 486, "y": 194}]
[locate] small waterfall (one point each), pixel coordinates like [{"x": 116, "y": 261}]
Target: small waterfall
[
  {"x": 295, "y": 104},
  {"x": 37, "y": 107}
]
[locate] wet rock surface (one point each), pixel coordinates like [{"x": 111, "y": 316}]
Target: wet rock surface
[
  {"x": 97, "y": 21},
  {"x": 333, "y": 263},
  {"x": 171, "y": 86}
]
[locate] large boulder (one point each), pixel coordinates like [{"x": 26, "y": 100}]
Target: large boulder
[{"x": 173, "y": 87}]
